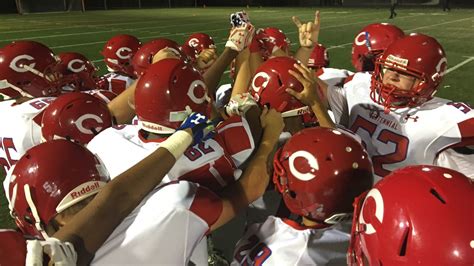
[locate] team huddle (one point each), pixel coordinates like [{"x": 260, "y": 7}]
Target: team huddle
[{"x": 328, "y": 166}]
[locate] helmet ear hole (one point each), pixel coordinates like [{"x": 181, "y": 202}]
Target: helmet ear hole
[
  {"x": 292, "y": 194},
  {"x": 403, "y": 248},
  {"x": 437, "y": 195},
  {"x": 280, "y": 83}
]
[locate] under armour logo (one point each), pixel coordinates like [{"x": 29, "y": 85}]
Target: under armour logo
[
  {"x": 415, "y": 118},
  {"x": 197, "y": 119}
]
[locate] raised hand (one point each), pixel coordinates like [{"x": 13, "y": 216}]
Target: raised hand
[
  {"x": 308, "y": 32},
  {"x": 240, "y": 37}
]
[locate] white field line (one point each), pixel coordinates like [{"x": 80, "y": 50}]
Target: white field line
[
  {"x": 106, "y": 25},
  {"x": 175, "y": 34},
  {"x": 133, "y": 29},
  {"x": 350, "y": 43},
  {"x": 469, "y": 59}
]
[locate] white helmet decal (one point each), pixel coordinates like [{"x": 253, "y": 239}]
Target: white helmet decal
[
  {"x": 358, "y": 40},
  {"x": 124, "y": 53},
  {"x": 261, "y": 75},
  {"x": 441, "y": 67},
  {"x": 312, "y": 161},
  {"x": 194, "y": 42},
  {"x": 192, "y": 95},
  {"x": 379, "y": 210},
  {"x": 71, "y": 67},
  {"x": 19, "y": 68},
  {"x": 81, "y": 119}
]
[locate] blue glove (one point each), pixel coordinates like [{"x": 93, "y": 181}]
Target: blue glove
[{"x": 202, "y": 128}]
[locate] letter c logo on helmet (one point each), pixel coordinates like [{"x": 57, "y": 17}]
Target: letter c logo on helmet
[
  {"x": 192, "y": 91},
  {"x": 259, "y": 81},
  {"x": 441, "y": 67},
  {"x": 80, "y": 123},
  {"x": 194, "y": 42},
  {"x": 71, "y": 67},
  {"x": 14, "y": 64},
  {"x": 124, "y": 53},
  {"x": 360, "y": 39},
  {"x": 312, "y": 161},
  {"x": 379, "y": 210}
]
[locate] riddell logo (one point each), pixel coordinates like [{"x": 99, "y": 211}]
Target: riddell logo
[
  {"x": 391, "y": 59},
  {"x": 84, "y": 189}
]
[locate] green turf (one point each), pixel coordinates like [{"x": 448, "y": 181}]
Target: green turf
[{"x": 87, "y": 32}]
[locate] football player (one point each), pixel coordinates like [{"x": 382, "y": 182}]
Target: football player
[
  {"x": 319, "y": 171},
  {"x": 78, "y": 71},
  {"x": 118, "y": 52},
  {"x": 393, "y": 223},
  {"x": 201, "y": 50},
  {"x": 396, "y": 114},
  {"x": 76, "y": 117},
  {"x": 164, "y": 95},
  {"x": 166, "y": 226},
  {"x": 371, "y": 42}
]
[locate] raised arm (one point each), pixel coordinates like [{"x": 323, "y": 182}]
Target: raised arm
[{"x": 308, "y": 34}]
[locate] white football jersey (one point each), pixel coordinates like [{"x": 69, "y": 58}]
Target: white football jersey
[
  {"x": 164, "y": 229},
  {"x": 407, "y": 136},
  {"x": 20, "y": 128},
  {"x": 284, "y": 242},
  {"x": 212, "y": 163},
  {"x": 333, "y": 76},
  {"x": 117, "y": 83}
]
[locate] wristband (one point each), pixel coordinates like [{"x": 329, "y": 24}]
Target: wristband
[{"x": 177, "y": 143}]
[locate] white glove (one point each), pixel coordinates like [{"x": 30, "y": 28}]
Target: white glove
[
  {"x": 60, "y": 253},
  {"x": 239, "y": 104},
  {"x": 240, "y": 37}
]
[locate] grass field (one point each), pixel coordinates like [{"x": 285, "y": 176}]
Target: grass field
[{"x": 87, "y": 32}]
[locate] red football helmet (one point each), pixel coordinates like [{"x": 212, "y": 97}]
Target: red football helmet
[
  {"x": 50, "y": 178},
  {"x": 270, "y": 39},
  {"x": 75, "y": 116},
  {"x": 118, "y": 53},
  {"x": 76, "y": 68},
  {"x": 12, "y": 248},
  {"x": 270, "y": 82},
  {"x": 144, "y": 56},
  {"x": 417, "y": 215},
  {"x": 168, "y": 91},
  {"x": 371, "y": 42},
  {"x": 319, "y": 172},
  {"x": 26, "y": 68},
  {"x": 418, "y": 56},
  {"x": 319, "y": 57},
  {"x": 196, "y": 43}
]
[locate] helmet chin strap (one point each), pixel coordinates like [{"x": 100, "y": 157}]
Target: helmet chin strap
[{"x": 34, "y": 211}]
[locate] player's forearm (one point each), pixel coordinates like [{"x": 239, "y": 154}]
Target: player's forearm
[
  {"x": 213, "y": 75},
  {"x": 321, "y": 112},
  {"x": 255, "y": 60},
  {"x": 303, "y": 54},
  {"x": 242, "y": 81}
]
